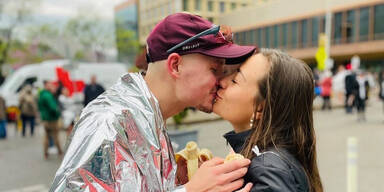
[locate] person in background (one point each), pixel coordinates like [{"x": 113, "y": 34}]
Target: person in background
[
  {"x": 3, "y": 118},
  {"x": 381, "y": 85},
  {"x": 28, "y": 108},
  {"x": 326, "y": 90},
  {"x": 92, "y": 90},
  {"x": 361, "y": 95},
  {"x": 68, "y": 109},
  {"x": 50, "y": 114},
  {"x": 338, "y": 84},
  {"x": 351, "y": 87}
]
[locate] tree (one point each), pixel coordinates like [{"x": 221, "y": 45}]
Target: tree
[
  {"x": 90, "y": 33},
  {"x": 127, "y": 45},
  {"x": 13, "y": 14}
]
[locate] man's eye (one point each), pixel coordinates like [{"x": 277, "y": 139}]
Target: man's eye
[{"x": 213, "y": 70}]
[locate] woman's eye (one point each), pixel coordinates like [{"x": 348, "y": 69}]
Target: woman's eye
[{"x": 234, "y": 81}]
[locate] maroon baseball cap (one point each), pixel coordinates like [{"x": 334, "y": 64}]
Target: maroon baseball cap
[{"x": 179, "y": 27}]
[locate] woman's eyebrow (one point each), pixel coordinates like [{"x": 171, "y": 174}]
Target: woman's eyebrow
[{"x": 242, "y": 74}]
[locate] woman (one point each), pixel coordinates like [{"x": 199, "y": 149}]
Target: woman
[
  {"x": 28, "y": 108},
  {"x": 269, "y": 103}
]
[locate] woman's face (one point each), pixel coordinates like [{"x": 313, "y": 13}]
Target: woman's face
[{"x": 236, "y": 98}]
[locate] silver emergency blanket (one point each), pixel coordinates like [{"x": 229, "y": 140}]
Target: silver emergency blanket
[{"x": 119, "y": 144}]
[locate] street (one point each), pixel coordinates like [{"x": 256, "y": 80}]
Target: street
[{"x": 23, "y": 167}]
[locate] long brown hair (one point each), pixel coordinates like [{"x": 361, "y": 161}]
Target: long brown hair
[{"x": 287, "y": 119}]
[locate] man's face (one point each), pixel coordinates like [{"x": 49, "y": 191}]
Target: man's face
[{"x": 198, "y": 82}]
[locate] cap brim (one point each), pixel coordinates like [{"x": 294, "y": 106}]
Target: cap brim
[{"x": 232, "y": 53}]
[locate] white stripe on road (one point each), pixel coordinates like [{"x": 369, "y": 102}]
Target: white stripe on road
[{"x": 33, "y": 188}]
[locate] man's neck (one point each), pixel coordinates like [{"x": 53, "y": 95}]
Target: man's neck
[{"x": 164, "y": 94}]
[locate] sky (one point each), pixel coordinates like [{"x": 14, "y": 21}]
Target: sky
[{"x": 68, "y": 8}]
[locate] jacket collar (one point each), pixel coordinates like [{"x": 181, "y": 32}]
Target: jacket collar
[{"x": 237, "y": 140}]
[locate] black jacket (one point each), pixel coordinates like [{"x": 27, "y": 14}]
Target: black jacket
[{"x": 272, "y": 170}]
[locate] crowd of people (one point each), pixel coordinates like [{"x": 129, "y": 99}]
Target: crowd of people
[
  {"x": 55, "y": 107},
  {"x": 352, "y": 87}
]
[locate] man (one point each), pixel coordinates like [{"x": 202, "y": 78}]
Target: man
[
  {"x": 50, "y": 114},
  {"x": 3, "y": 118},
  {"x": 92, "y": 90},
  {"x": 120, "y": 142}
]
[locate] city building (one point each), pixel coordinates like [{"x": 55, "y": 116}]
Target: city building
[
  {"x": 357, "y": 28},
  {"x": 151, "y": 12}
]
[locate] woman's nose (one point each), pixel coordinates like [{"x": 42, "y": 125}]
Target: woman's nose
[{"x": 223, "y": 83}]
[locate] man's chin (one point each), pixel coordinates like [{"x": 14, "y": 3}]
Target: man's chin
[{"x": 206, "y": 109}]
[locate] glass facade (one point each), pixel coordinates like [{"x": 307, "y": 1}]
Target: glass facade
[
  {"x": 185, "y": 5},
  {"x": 304, "y": 33},
  {"x": 198, "y": 5},
  {"x": 379, "y": 22},
  {"x": 364, "y": 24},
  {"x": 267, "y": 37},
  {"x": 337, "y": 28},
  {"x": 315, "y": 31},
  {"x": 275, "y": 36},
  {"x": 210, "y": 5},
  {"x": 348, "y": 26},
  {"x": 284, "y": 31},
  {"x": 222, "y": 7},
  {"x": 259, "y": 37},
  {"x": 233, "y": 6},
  {"x": 294, "y": 34}
]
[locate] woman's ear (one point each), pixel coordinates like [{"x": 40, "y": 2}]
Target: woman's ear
[
  {"x": 173, "y": 64},
  {"x": 259, "y": 110}
]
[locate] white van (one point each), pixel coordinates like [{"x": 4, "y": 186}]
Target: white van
[{"x": 107, "y": 74}]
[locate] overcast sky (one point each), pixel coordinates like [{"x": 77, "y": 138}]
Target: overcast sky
[{"x": 68, "y": 8}]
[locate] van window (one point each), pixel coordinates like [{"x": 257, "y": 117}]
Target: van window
[{"x": 28, "y": 81}]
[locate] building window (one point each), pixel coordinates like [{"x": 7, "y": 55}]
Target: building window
[
  {"x": 379, "y": 24},
  {"x": 304, "y": 33},
  {"x": 253, "y": 37},
  {"x": 185, "y": 5},
  {"x": 260, "y": 37},
  {"x": 210, "y": 19},
  {"x": 233, "y": 6},
  {"x": 315, "y": 30},
  {"x": 241, "y": 38},
  {"x": 275, "y": 36},
  {"x": 284, "y": 30},
  {"x": 236, "y": 38},
  {"x": 210, "y": 5},
  {"x": 198, "y": 5},
  {"x": 350, "y": 26},
  {"x": 364, "y": 24},
  {"x": 250, "y": 37},
  {"x": 337, "y": 28},
  {"x": 294, "y": 34},
  {"x": 268, "y": 37},
  {"x": 222, "y": 7}
]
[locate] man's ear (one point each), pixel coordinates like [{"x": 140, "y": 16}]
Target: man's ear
[
  {"x": 173, "y": 64},
  {"x": 260, "y": 110}
]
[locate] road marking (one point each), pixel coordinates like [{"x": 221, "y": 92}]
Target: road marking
[{"x": 33, "y": 188}]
